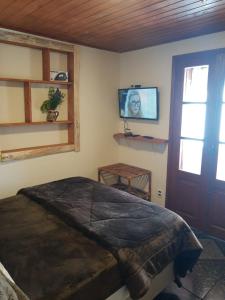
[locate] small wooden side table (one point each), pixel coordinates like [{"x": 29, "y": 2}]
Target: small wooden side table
[{"x": 129, "y": 173}]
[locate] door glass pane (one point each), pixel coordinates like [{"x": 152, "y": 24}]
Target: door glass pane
[
  {"x": 193, "y": 120},
  {"x": 222, "y": 124},
  {"x": 195, "y": 84},
  {"x": 190, "y": 156},
  {"x": 224, "y": 93},
  {"x": 221, "y": 163}
]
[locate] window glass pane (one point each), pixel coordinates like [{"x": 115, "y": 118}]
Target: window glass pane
[
  {"x": 221, "y": 163},
  {"x": 190, "y": 156},
  {"x": 193, "y": 120},
  {"x": 222, "y": 124},
  {"x": 195, "y": 84}
]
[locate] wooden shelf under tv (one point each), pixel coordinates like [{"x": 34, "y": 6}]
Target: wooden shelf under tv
[{"x": 140, "y": 138}]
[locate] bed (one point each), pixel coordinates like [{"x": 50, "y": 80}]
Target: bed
[{"x": 79, "y": 239}]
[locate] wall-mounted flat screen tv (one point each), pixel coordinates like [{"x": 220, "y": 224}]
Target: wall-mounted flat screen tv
[{"x": 139, "y": 103}]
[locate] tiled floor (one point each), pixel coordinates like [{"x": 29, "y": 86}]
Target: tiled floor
[{"x": 207, "y": 281}]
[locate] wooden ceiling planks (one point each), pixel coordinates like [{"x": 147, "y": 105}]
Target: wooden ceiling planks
[
  {"x": 179, "y": 34},
  {"x": 158, "y": 18},
  {"x": 164, "y": 26},
  {"x": 151, "y": 26},
  {"x": 123, "y": 17},
  {"x": 115, "y": 25}
]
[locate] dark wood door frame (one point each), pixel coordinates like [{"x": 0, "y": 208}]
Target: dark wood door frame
[{"x": 174, "y": 131}]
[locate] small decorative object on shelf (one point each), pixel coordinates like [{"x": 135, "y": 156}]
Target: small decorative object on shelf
[
  {"x": 55, "y": 98},
  {"x": 52, "y": 115},
  {"x": 59, "y": 75}
]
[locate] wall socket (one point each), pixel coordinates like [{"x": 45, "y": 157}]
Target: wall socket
[{"x": 159, "y": 193}]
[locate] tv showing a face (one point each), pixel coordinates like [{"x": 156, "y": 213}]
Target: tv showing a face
[{"x": 139, "y": 103}]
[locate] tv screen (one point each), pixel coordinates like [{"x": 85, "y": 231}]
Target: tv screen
[{"x": 139, "y": 103}]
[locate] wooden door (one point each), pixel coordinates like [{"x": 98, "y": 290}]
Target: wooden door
[{"x": 196, "y": 160}]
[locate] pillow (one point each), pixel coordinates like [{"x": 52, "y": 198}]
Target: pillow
[{"x": 8, "y": 289}]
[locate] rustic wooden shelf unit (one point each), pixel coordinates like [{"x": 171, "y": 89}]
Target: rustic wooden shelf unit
[{"x": 72, "y": 122}]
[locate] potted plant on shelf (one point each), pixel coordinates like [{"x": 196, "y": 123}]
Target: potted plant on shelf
[{"x": 55, "y": 98}]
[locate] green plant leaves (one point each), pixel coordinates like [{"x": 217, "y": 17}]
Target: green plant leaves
[{"x": 55, "y": 98}]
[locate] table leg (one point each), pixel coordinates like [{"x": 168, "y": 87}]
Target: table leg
[
  {"x": 129, "y": 185},
  {"x": 149, "y": 186},
  {"x": 99, "y": 176}
]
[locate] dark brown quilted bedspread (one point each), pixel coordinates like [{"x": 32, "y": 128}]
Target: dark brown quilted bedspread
[
  {"x": 50, "y": 260},
  {"x": 142, "y": 236}
]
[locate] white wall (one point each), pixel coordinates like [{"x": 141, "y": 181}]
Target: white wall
[
  {"x": 99, "y": 81},
  {"x": 152, "y": 67}
]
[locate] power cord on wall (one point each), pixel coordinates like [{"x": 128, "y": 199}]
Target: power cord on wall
[{"x": 126, "y": 129}]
